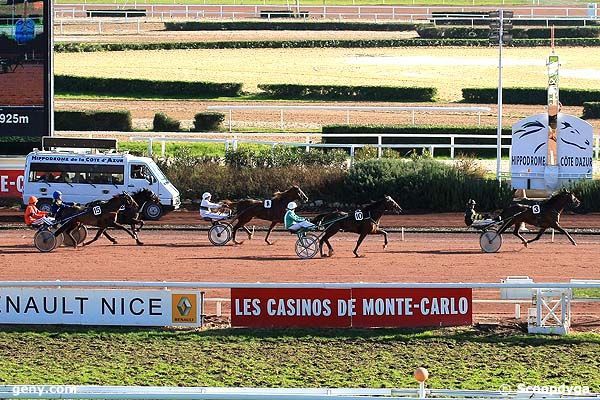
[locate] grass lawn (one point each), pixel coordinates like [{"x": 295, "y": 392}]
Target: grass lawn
[
  {"x": 456, "y": 358},
  {"x": 448, "y": 69},
  {"x": 193, "y": 149}
]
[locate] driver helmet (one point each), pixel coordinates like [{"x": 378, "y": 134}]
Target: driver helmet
[
  {"x": 292, "y": 205},
  {"x": 57, "y": 195},
  {"x": 471, "y": 202},
  {"x": 206, "y": 196},
  {"x": 32, "y": 200}
]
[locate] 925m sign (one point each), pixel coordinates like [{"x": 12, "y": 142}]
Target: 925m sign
[{"x": 22, "y": 121}]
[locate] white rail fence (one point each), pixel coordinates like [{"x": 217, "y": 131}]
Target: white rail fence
[
  {"x": 413, "y": 110},
  {"x": 236, "y": 393},
  {"x": 376, "y": 13}
]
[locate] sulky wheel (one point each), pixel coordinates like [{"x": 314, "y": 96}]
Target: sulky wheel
[
  {"x": 79, "y": 234},
  {"x": 220, "y": 234},
  {"x": 307, "y": 246},
  {"x": 44, "y": 241},
  {"x": 490, "y": 241}
]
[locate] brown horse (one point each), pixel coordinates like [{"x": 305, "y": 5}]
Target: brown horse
[
  {"x": 544, "y": 215},
  {"x": 363, "y": 222},
  {"x": 273, "y": 209},
  {"x": 103, "y": 215}
]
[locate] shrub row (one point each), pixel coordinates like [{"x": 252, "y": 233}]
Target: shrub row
[
  {"x": 15, "y": 145},
  {"x": 591, "y": 109},
  {"x": 568, "y": 97},
  {"x": 144, "y": 88},
  {"x": 288, "y": 26},
  {"x": 416, "y": 130},
  {"x": 92, "y": 121},
  {"x": 282, "y": 156},
  {"x": 75, "y": 47},
  {"x": 433, "y": 32},
  {"x": 588, "y": 192},
  {"x": 423, "y": 184},
  {"x": 359, "y": 93}
]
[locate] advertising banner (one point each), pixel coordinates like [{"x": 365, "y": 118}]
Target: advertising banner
[
  {"x": 25, "y": 57},
  {"x": 575, "y": 145},
  {"x": 345, "y": 308},
  {"x": 100, "y": 307},
  {"x": 11, "y": 183}
]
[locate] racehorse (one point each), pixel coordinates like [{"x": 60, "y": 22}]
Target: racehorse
[
  {"x": 129, "y": 215},
  {"x": 545, "y": 215},
  {"x": 102, "y": 215},
  {"x": 364, "y": 222},
  {"x": 273, "y": 209}
]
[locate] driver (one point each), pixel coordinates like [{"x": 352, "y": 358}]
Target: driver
[
  {"x": 294, "y": 222},
  {"x": 35, "y": 217},
  {"x": 210, "y": 210},
  {"x": 58, "y": 205},
  {"x": 475, "y": 219}
]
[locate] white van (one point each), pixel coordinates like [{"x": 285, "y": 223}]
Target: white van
[{"x": 85, "y": 177}]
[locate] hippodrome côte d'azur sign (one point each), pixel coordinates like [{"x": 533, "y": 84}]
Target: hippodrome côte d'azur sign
[
  {"x": 350, "y": 308},
  {"x": 37, "y": 306},
  {"x": 529, "y": 156}
]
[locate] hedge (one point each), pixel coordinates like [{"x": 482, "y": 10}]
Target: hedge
[
  {"x": 77, "y": 47},
  {"x": 288, "y": 26},
  {"x": 568, "y": 97},
  {"x": 591, "y": 109},
  {"x": 92, "y": 121},
  {"x": 417, "y": 130},
  {"x": 208, "y": 121},
  {"x": 423, "y": 184},
  {"x": 144, "y": 88},
  {"x": 432, "y": 32},
  {"x": 19, "y": 145},
  {"x": 163, "y": 123},
  {"x": 353, "y": 93}
]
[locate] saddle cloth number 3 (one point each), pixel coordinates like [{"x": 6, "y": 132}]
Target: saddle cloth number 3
[
  {"x": 536, "y": 209},
  {"x": 358, "y": 215},
  {"x": 97, "y": 210}
]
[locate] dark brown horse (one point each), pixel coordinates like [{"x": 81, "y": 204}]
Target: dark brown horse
[
  {"x": 544, "y": 215},
  {"x": 102, "y": 215},
  {"x": 363, "y": 222},
  {"x": 273, "y": 209}
]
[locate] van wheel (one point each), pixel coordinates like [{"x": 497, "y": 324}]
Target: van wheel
[
  {"x": 44, "y": 205},
  {"x": 153, "y": 211}
]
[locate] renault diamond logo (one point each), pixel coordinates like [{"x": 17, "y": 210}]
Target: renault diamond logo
[{"x": 184, "y": 306}]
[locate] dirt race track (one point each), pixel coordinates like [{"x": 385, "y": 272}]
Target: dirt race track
[{"x": 423, "y": 257}]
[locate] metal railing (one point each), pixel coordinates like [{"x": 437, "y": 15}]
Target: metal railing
[
  {"x": 376, "y": 13},
  {"x": 413, "y": 110}
]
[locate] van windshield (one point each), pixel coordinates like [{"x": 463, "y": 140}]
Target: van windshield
[{"x": 157, "y": 172}]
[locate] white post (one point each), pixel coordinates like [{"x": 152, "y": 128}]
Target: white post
[
  {"x": 150, "y": 147},
  {"x": 452, "y": 147},
  {"x": 379, "y": 143},
  {"x": 163, "y": 146},
  {"x": 499, "y": 131}
]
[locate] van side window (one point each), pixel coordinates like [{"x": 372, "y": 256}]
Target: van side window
[
  {"x": 77, "y": 173},
  {"x": 140, "y": 171}
]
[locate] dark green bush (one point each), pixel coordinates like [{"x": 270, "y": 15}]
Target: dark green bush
[
  {"x": 417, "y": 130},
  {"x": 591, "y": 109},
  {"x": 423, "y": 184},
  {"x": 462, "y": 32},
  {"x": 19, "y": 145},
  {"x": 588, "y": 192},
  {"x": 351, "y": 93},
  {"x": 144, "y": 88},
  {"x": 70, "y": 47},
  {"x": 568, "y": 97},
  {"x": 92, "y": 121},
  {"x": 284, "y": 156},
  {"x": 288, "y": 26},
  {"x": 164, "y": 123},
  {"x": 208, "y": 121}
]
